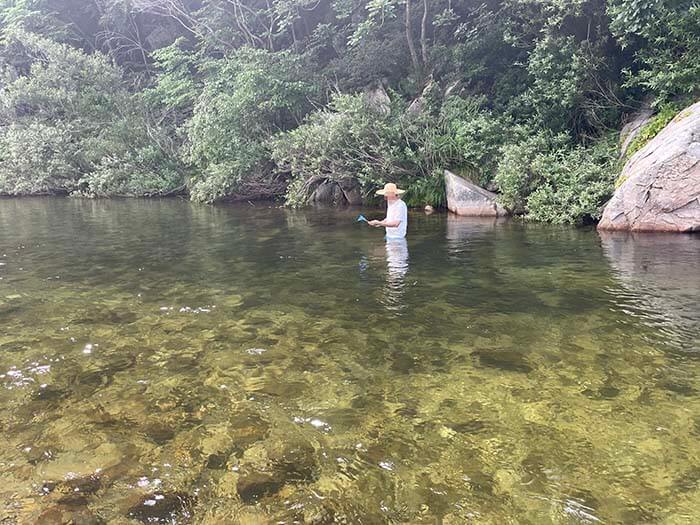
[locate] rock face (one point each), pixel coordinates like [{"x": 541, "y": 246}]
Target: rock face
[
  {"x": 630, "y": 130},
  {"x": 661, "y": 182},
  {"x": 469, "y": 200}
]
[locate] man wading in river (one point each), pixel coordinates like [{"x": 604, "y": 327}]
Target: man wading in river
[{"x": 396, "y": 218}]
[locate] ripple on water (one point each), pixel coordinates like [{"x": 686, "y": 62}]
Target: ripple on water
[{"x": 501, "y": 373}]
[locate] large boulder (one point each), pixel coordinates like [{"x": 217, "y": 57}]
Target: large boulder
[
  {"x": 661, "y": 182},
  {"x": 469, "y": 200}
]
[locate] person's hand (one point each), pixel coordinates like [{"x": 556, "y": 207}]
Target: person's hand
[{"x": 375, "y": 223}]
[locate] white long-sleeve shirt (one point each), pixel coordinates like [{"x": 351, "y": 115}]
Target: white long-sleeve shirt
[{"x": 397, "y": 211}]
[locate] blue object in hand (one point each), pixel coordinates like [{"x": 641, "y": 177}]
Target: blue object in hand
[{"x": 361, "y": 218}]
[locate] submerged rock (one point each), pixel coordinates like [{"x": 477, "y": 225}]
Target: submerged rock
[
  {"x": 660, "y": 188},
  {"x": 294, "y": 460},
  {"x": 247, "y": 428},
  {"x": 405, "y": 363},
  {"x": 473, "y": 426},
  {"x": 278, "y": 462},
  {"x": 62, "y": 515},
  {"x": 50, "y": 393},
  {"x": 469, "y": 200},
  {"x": 159, "y": 432},
  {"x": 175, "y": 507},
  {"x": 507, "y": 360},
  {"x": 81, "y": 463},
  {"x": 72, "y": 492},
  {"x": 253, "y": 486},
  {"x": 20, "y": 345}
]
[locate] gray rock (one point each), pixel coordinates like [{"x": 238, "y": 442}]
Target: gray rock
[
  {"x": 378, "y": 100},
  {"x": 419, "y": 104},
  {"x": 452, "y": 89},
  {"x": 341, "y": 192},
  {"x": 351, "y": 191},
  {"x": 661, "y": 182},
  {"x": 631, "y": 129},
  {"x": 469, "y": 200},
  {"x": 416, "y": 106}
]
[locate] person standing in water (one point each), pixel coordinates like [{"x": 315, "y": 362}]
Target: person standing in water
[{"x": 396, "y": 219}]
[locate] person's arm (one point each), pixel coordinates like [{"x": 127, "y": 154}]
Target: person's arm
[{"x": 386, "y": 223}]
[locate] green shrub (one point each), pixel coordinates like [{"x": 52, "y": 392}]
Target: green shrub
[
  {"x": 477, "y": 135},
  {"x": 550, "y": 180},
  {"x": 247, "y": 98},
  {"x": 576, "y": 184},
  {"x": 36, "y": 158},
  {"x": 653, "y": 128},
  {"x": 349, "y": 139},
  {"x": 70, "y": 125},
  {"x": 517, "y": 174},
  {"x": 664, "y": 38},
  {"x": 426, "y": 190}
]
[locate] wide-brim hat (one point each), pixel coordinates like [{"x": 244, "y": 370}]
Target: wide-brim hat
[{"x": 390, "y": 188}]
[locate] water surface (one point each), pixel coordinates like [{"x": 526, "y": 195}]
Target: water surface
[{"x": 168, "y": 363}]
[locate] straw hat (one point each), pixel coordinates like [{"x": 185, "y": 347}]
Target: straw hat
[{"x": 390, "y": 188}]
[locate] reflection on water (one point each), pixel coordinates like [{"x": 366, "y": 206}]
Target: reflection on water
[
  {"x": 168, "y": 363},
  {"x": 461, "y": 231},
  {"x": 659, "y": 287},
  {"x": 397, "y": 266}
]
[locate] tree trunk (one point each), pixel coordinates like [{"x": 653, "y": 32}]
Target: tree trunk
[
  {"x": 423, "y": 36},
  {"x": 409, "y": 39}
]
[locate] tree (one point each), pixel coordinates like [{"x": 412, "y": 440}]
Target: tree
[
  {"x": 70, "y": 125},
  {"x": 247, "y": 97}
]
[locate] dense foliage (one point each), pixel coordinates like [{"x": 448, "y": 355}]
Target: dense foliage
[
  {"x": 247, "y": 99},
  {"x": 69, "y": 125}
]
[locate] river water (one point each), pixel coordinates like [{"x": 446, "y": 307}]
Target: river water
[{"x": 162, "y": 362}]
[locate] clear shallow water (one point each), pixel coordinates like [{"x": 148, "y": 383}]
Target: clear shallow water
[{"x": 168, "y": 363}]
